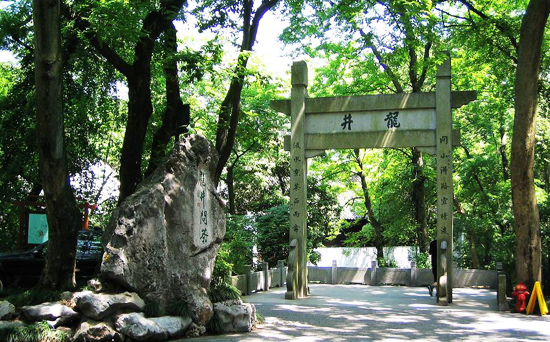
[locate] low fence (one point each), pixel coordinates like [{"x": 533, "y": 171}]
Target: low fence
[
  {"x": 261, "y": 280},
  {"x": 413, "y": 276},
  {"x": 374, "y": 276}
]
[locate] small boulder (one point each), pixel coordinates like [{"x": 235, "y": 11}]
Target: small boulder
[
  {"x": 7, "y": 310},
  {"x": 98, "y": 306},
  {"x": 174, "y": 326},
  {"x": 95, "y": 285},
  {"x": 54, "y": 313},
  {"x": 235, "y": 316},
  {"x": 195, "y": 330},
  {"x": 92, "y": 331},
  {"x": 139, "y": 328}
]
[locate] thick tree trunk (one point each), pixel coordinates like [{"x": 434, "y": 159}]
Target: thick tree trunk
[
  {"x": 63, "y": 216},
  {"x": 526, "y": 214},
  {"x": 140, "y": 110},
  {"x": 174, "y": 104}
]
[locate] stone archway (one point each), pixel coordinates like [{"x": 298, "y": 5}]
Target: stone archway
[{"x": 422, "y": 120}]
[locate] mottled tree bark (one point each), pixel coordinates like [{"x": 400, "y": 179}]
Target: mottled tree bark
[
  {"x": 526, "y": 214},
  {"x": 61, "y": 209}
]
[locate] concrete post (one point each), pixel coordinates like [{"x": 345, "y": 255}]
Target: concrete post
[
  {"x": 281, "y": 268},
  {"x": 334, "y": 273},
  {"x": 413, "y": 273},
  {"x": 501, "y": 289},
  {"x": 444, "y": 172},
  {"x": 374, "y": 276},
  {"x": 298, "y": 180},
  {"x": 247, "y": 273},
  {"x": 267, "y": 280}
]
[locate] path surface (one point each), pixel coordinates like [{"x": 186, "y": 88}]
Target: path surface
[{"x": 345, "y": 313}]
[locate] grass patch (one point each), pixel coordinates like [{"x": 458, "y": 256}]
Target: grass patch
[
  {"x": 259, "y": 318},
  {"x": 152, "y": 309},
  {"x": 38, "y": 332},
  {"x": 223, "y": 292},
  {"x": 178, "y": 308}
]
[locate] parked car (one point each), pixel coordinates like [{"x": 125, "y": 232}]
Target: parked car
[{"x": 23, "y": 269}]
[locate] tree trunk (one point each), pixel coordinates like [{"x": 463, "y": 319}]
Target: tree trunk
[
  {"x": 174, "y": 104},
  {"x": 228, "y": 118},
  {"x": 526, "y": 214},
  {"x": 473, "y": 251},
  {"x": 230, "y": 181},
  {"x": 62, "y": 213},
  {"x": 419, "y": 199},
  {"x": 140, "y": 110},
  {"x": 376, "y": 225},
  {"x": 138, "y": 75},
  {"x": 503, "y": 157}
]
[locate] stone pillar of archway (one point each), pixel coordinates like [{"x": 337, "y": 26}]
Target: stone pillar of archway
[
  {"x": 445, "y": 192},
  {"x": 297, "y": 263}
]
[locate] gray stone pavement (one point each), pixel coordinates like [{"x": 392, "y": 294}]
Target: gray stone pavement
[{"x": 386, "y": 313}]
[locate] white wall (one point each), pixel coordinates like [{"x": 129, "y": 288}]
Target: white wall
[
  {"x": 347, "y": 256},
  {"x": 363, "y": 257}
]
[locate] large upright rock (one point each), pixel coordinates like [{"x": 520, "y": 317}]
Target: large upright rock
[{"x": 163, "y": 240}]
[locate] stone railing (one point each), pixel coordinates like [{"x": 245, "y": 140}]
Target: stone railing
[
  {"x": 261, "y": 280},
  {"x": 267, "y": 278},
  {"x": 413, "y": 276}
]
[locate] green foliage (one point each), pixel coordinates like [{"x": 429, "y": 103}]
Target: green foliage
[
  {"x": 222, "y": 268},
  {"x": 273, "y": 235},
  {"x": 387, "y": 263},
  {"x": 37, "y": 332},
  {"x": 238, "y": 243},
  {"x": 222, "y": 292},
  {"x": 422, "y": 260}
]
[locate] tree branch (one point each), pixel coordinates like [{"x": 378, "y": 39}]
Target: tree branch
[
  {"x": 498, "y": 24},
  {"x": 368, "y": 40}
]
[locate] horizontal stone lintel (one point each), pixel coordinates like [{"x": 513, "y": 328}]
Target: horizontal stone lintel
[
  {"x": 374, "y": 102},
  {"x": 425, "y": 139}
]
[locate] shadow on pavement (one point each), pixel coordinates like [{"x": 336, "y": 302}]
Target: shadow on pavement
[{"x": 386, "y": 313}]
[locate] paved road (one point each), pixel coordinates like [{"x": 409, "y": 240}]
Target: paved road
[{"x": 345, "y": 313}]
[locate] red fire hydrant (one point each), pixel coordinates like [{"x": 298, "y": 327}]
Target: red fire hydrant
[{"x": 521, "y": 293}]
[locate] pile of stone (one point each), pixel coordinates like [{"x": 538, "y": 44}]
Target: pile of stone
[{"x": 98, "y": 317}]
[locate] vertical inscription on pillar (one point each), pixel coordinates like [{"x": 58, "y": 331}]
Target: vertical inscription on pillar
[
  {"x": 444, "y": 171},
  {"x": 202, "y": 216}
]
